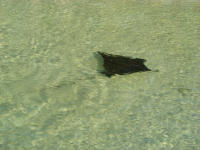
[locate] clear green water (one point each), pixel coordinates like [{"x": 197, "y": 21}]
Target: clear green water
[{"x": 53, "y": 98}]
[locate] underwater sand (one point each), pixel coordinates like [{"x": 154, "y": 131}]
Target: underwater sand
[{"x": 52, "y": 96}]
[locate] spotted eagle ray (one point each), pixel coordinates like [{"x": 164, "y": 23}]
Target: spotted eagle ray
[{"x": 116, "y": 64}]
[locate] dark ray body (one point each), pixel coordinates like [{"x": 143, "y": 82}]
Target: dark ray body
[{"x": 116, "y": 64}]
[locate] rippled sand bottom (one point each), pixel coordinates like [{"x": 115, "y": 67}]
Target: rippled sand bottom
[{"x": 52, "y": 96}]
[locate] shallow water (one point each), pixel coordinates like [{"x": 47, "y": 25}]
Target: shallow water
[{"x": 52, "y": 96}]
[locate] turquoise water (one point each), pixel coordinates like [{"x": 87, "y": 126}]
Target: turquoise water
[{"x": 52, "y": 96}]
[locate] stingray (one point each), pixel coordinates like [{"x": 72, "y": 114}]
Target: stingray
[{"x": 116, "y": 64}]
